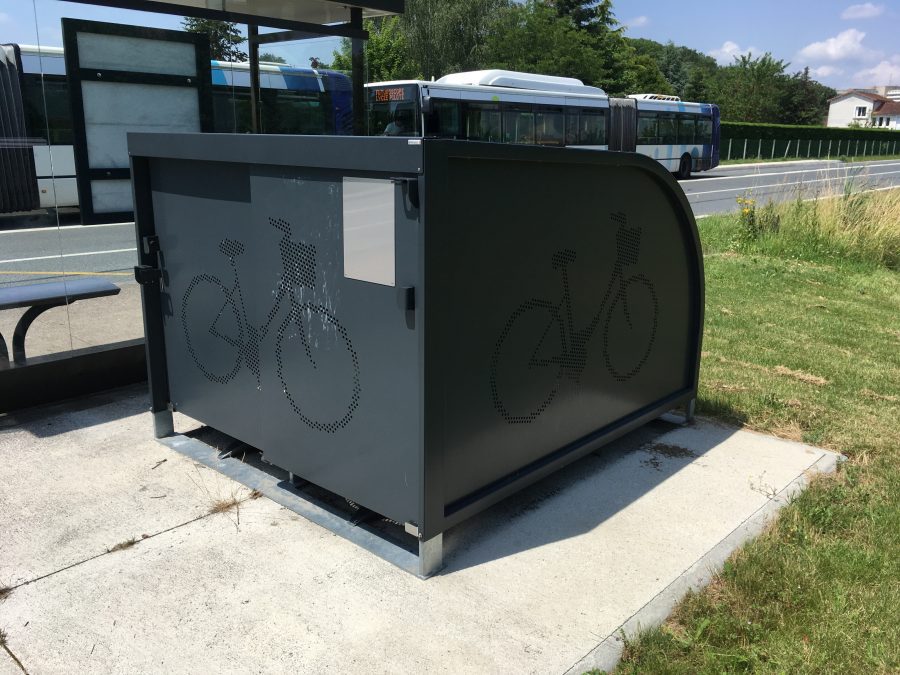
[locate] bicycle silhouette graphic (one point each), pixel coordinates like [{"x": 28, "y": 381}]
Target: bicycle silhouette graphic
[
  {"x": 540, "y": 346},
  {"x": 316, "y": 364}
]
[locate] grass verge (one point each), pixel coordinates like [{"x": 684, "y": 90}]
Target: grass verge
[
  {"x": 802, "y": 340},
  {"x": 842, "y": 158}
]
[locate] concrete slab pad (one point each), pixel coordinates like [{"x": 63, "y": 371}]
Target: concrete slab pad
[
  {"x": 75, "y": 483},
  {"x": 7, "y": 665},
  {"x": 540, "y": 583}
]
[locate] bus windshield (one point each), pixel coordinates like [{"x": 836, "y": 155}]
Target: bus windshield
[{"x": 394, "y": 111}]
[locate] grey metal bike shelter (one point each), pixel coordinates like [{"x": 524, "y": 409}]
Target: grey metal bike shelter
[{"x": 420, "y": 326}]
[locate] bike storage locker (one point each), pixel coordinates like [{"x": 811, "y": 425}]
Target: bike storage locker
[{"x": 422, "y": 327}]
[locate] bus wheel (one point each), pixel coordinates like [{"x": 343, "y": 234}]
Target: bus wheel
[{"x": 684, "y": 167}]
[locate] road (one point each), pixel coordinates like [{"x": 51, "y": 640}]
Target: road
[
  {"x": 716, "y": 191},
  {"x": 38, "y": 253}
]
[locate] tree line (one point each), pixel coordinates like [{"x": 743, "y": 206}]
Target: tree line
[{"x": 581, "y": 39}]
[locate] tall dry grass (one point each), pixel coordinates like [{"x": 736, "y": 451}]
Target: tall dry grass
[{"x": 850, "y": 226}]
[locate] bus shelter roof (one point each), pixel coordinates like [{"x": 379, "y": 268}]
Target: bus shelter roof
[{"x": 289, "y": 14}]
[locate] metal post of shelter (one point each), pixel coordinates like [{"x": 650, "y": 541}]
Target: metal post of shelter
[
  {"x": 253, "y": 49},
  {"x": 357, "y": 74}
]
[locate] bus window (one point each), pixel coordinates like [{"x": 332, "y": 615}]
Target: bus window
[
  {"x": 444, "y": 119},
  {"x": 571, "y": 127},
  {"x": 668, "y": 129},
  {"x": 394, "y": 110},
  {"x": 549, "y": 126},
  {"x": 483, "y": 122},
  {"x": 592, "y": 128},
  {"x": 647, "y": 132},
  {"x": 518, "y": 125},
  {"x": 704, "y": 131},
  {"x": 686, "y": 128},
  {"x": 291, "y": 112}
]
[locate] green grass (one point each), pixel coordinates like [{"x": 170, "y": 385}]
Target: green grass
[{"x": 801, "y": 341}]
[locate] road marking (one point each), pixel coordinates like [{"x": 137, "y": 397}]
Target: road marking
[
  {"x": 751, "y": 188},
  {"x": 785, "y": 173},
  {"x": 50, "y": 228},
  {"x": 66, "y": 255},
  {"x": 69, "y": 274}
]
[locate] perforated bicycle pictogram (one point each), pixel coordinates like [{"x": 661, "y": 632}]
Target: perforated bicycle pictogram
[
  {"x": 314, "y": 355},
  {"x": 540, "y": 348}
]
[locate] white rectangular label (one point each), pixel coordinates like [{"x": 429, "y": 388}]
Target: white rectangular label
[{"x": 369, "y": 230}]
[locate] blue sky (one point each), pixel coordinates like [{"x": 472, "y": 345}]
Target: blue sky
[{"x": 845, "y": 43}]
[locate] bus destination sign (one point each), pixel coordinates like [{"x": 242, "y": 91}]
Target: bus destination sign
[{"x": 390, "y": 94}]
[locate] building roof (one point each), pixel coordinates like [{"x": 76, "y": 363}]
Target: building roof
[
  {"x": 888, "y": 107},
  {"x": 861, "y": 93}
]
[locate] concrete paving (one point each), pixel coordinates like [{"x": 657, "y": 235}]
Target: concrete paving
[{"x": 540, "y": 583}]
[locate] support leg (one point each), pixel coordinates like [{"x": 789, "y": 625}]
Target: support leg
[
  {"x": 25, "y": 321},
  {"x": 431, "y": 556},
  {"x": 163, "y": 424},
  {"x": 4, "y": 353},
  {"x": 689, "y": 409}
]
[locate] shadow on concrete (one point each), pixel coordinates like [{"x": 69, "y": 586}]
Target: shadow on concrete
[
  {"x": 578, "y": 498},
  {"x": 55, "y": 418},
  {"x": 568, "y": 503}
]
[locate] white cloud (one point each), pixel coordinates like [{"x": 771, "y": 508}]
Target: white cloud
[
  {"x": 637, "y": 22},
  {"x": 864, "y": 11},
  {"x": 825, "y": 71},
  {"x": 886, "y": 72},
  {"x": 845, "y": 45},
  {"x": 726, "y": 54}
]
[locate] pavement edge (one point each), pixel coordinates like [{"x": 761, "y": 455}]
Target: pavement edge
[{"x": 606, "y": 655}]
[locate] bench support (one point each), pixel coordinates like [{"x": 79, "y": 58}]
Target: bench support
[
  {"x": 18, "y": 341},
  {"x": 25, "y": 321}
]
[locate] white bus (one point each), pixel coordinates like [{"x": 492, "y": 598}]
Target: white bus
[{"x": 508, "y": 107}]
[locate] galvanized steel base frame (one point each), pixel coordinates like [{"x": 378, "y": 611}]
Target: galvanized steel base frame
[
  {"x": 476, "y": 370},
  {"x": 430, "y": 553}
]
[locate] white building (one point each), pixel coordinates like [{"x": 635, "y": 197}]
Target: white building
[{"x": 867, "y": 108}]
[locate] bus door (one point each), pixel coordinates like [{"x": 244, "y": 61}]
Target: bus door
[{"x": 18, "y": 182}]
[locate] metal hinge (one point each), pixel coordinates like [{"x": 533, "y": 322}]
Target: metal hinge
[
  {"x": 146, "y": 274},
  {"x": 151, "y": 244}
]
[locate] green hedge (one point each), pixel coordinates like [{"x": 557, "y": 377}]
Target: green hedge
[{"x": 785, "y": 132}]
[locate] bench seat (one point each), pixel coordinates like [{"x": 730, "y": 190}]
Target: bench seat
[{"x": 41, "y": 297}]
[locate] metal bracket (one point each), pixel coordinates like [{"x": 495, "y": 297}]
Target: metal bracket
[
  {"x": 146, "y": 274},
  {"x": 410, "y": 189},
  {"x": 151, "y": 244}
]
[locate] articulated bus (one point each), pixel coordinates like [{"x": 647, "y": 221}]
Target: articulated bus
[
  {"x": 509, "y": 107},
  {"x": 293, "y": 101}
]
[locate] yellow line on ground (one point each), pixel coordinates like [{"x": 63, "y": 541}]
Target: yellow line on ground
[{"x": 72, "y": 274}]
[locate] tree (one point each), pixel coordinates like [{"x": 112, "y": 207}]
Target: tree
[
  {"x": 751, "y": 90},
  {"x": 444, "y": 36},
  {"x": 271, "y": 58},
  {"x": 591, "y": 15},
  {"x": 387, "y": 55},
  {"x": 805, "y": 101},
  {"x": 534, "y": 38},
  {"x": 224, "y": 37}
]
